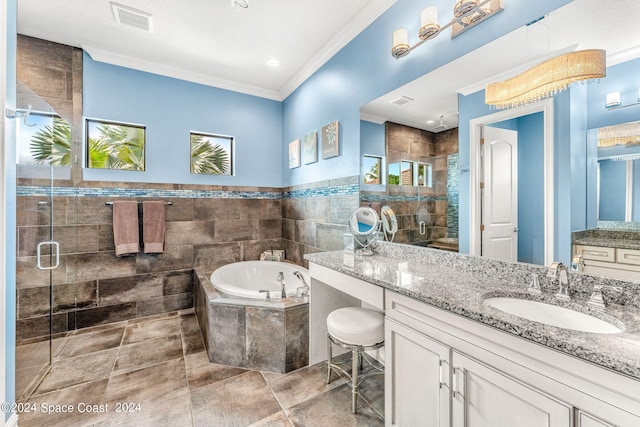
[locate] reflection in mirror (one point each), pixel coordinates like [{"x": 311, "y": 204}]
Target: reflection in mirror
[
  {"x": 618, "y": 172},
  {"x": 371, "y": 166},
  {"x": 364, "y": 224},
  {"x": 422, "y": 186},
  {"x": 389, "y": 223}
]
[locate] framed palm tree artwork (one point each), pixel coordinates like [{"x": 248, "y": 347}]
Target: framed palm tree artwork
[
  {"x": 294, "y": 154},
  {"x": 112, "y": 145},
  {"x": 310, "y": 148},
  {"x": 330, "y": 140},
  {"x": 211, "y": 154}
]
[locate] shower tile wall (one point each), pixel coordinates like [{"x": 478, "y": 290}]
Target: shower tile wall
[
  {"x": 93, "y": 286},
  {"x": 436, "y": 206}
]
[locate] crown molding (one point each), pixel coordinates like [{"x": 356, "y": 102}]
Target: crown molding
[
  {"x": 623, "y": 56},
  {"x": 365, "y": 18},
  {"x": 372, "y": 118},
  {"x": 178, "y": 73}
]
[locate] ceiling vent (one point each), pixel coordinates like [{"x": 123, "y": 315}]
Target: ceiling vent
[
  {"x": 402, "y": 100},
  {"x": 132, "y": 17}
]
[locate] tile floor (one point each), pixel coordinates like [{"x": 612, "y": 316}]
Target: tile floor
[{"x": 155, "y": 372}]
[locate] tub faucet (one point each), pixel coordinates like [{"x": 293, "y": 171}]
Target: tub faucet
[
  {"x": 281, "y": 280},
  {"x": 558, "y": 271},
  {"x": 303, "y": 290}
]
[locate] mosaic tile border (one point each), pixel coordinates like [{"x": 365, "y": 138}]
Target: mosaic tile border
[{"x": 33, "y": 190}]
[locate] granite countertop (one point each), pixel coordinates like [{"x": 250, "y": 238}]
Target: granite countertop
[
  {"x": 608, "y": 243},
  {"x": 444, "y": 282}
]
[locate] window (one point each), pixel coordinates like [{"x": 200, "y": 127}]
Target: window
[
  {"x": 115, "y": 146},
  {"x": 372, "y": 165},
  {"x": 211, "y": 154},
  {"x": 46, "y": 139},
  {"x": 424, "y": 174}
]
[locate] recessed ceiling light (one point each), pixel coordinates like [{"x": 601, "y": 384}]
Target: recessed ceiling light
[
  {"x": 273, "y": 62},
  {"x": 430, "y": 122}
]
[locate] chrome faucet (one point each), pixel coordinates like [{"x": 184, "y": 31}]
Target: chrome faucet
[
  {"x": 283, "y": 294},
  {"x": 303, "y": 290},
  {"x": 558, "y": 271}
]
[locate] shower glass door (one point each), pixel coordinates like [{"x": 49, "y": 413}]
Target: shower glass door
[{"x": 45, "y": 242}]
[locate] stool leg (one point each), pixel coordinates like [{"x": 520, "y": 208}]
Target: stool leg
[
  {"x": 329, "y": 359},
  {"x": 355, "y": 359}
]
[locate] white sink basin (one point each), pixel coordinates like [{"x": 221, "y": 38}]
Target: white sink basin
[{"x": 552, "y": 315}]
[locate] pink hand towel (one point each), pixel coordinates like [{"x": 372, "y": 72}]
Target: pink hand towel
[
  {"x": 125, "y": 227},
  {"x": 153, "y": 227}
]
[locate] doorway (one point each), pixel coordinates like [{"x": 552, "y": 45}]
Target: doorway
[{"x": 476, "y": 177}]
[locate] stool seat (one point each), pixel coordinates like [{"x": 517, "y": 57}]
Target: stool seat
[{"x": 356, "y": 326}]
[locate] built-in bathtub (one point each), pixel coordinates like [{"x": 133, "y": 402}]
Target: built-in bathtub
[
  {"x": 247, "y": 279},
  {"x": 241, "y": 328}
]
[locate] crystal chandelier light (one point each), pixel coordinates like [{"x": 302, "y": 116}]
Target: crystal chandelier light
[
  {"x": 547, "y": 79},
  {"x": 620, "y": 134}
]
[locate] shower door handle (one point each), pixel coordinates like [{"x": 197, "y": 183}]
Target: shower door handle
[{"x": 53, "y": 244}]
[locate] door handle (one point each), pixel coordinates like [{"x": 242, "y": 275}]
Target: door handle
[
  {"x": 515, "y": 230},
  {"x": 53, "y": 244},
  {"x": 456, "y": 391}
]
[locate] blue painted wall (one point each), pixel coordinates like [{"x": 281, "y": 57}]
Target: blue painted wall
[
  {"x": 635, "y": 208},
  {"x": 372, "y": 138},
  {"x": 10, "y": 197},
  {"x": 623, "y": 78},
  {"x": 170, "y": 109},
  {"x": 613, "y": 177},
  {"x": 364, "y": 70}
]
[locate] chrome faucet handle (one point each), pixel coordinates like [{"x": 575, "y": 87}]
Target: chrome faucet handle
[
  {"x": 534, "y": 287},
  {"x": 268, "y": 294},
  {"x": 596, "y": 301},
  {"x": 557, "y": 270},
  {"x": 280, "y": 276}
]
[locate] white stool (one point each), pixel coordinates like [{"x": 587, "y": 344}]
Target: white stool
[{"x": 356, "y": 329}]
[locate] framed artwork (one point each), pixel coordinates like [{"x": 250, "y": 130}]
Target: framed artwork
[
  {"x": 310, "y": 148},
  {"x": 294, "y": 154},
  {"x": 211, "y": 154},
  {"x": 330, "y": 140}
]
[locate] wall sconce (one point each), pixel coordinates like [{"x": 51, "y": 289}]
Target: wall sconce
[
  {"x": 614, "y": 102},
  {"x": 466, "y": 15}
]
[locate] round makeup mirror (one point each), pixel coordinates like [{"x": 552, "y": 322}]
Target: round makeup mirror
[{"x": 364, "y": 225}]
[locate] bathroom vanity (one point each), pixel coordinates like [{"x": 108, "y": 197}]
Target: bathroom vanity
[
  {"x": 453, "y": 360},
  {"x": 611, "y": 253}
]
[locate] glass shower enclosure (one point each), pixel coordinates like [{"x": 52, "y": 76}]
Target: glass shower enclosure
[{"x": 46, "y": 244}]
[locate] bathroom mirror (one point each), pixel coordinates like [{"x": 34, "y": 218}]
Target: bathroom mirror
[
  {"x": 389, "y": 223},
  {"x": 364, "y": 225},
  {"x": 429, "y": 215},
  {"x": 618, "y": 174}
]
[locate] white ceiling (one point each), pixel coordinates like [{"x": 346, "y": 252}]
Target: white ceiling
[
  {"x": 209, "y": 41},
  {"x": 582, "y": 24}
]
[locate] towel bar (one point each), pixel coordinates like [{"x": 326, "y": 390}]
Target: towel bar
[{"x": 111, "y": 203}]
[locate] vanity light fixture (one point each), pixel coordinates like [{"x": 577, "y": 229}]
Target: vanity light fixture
[
  {"x": 547, "y": 79},
  {"x": 466, "y": 14},
  {"x": 621, "y": 134},
  {"x": 614, "y": 102}
]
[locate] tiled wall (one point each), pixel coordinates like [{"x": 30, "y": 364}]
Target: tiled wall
[
  {"x": 315, "y": 216},
  {"x": 93, "y": 286}
]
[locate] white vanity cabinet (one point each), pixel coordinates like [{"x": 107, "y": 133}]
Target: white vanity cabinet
[
  {"x": 417, "y": 375},
  {"x": 617, "y": 263},
  {"x": 445, "y": 370},
  {"x": 483, "y": 397}
]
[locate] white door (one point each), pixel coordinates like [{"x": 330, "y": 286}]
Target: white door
[
  {"x": 484, "y": 397},
  {"x": 500, "y": 194},
  {"x": 416, "y": 378}
]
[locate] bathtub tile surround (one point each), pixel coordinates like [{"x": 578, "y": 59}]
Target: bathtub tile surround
[
  {"x": 461, "y": 282},
  {"x": 182, "y": 388},
  {"x": 253, "y": 334}
]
